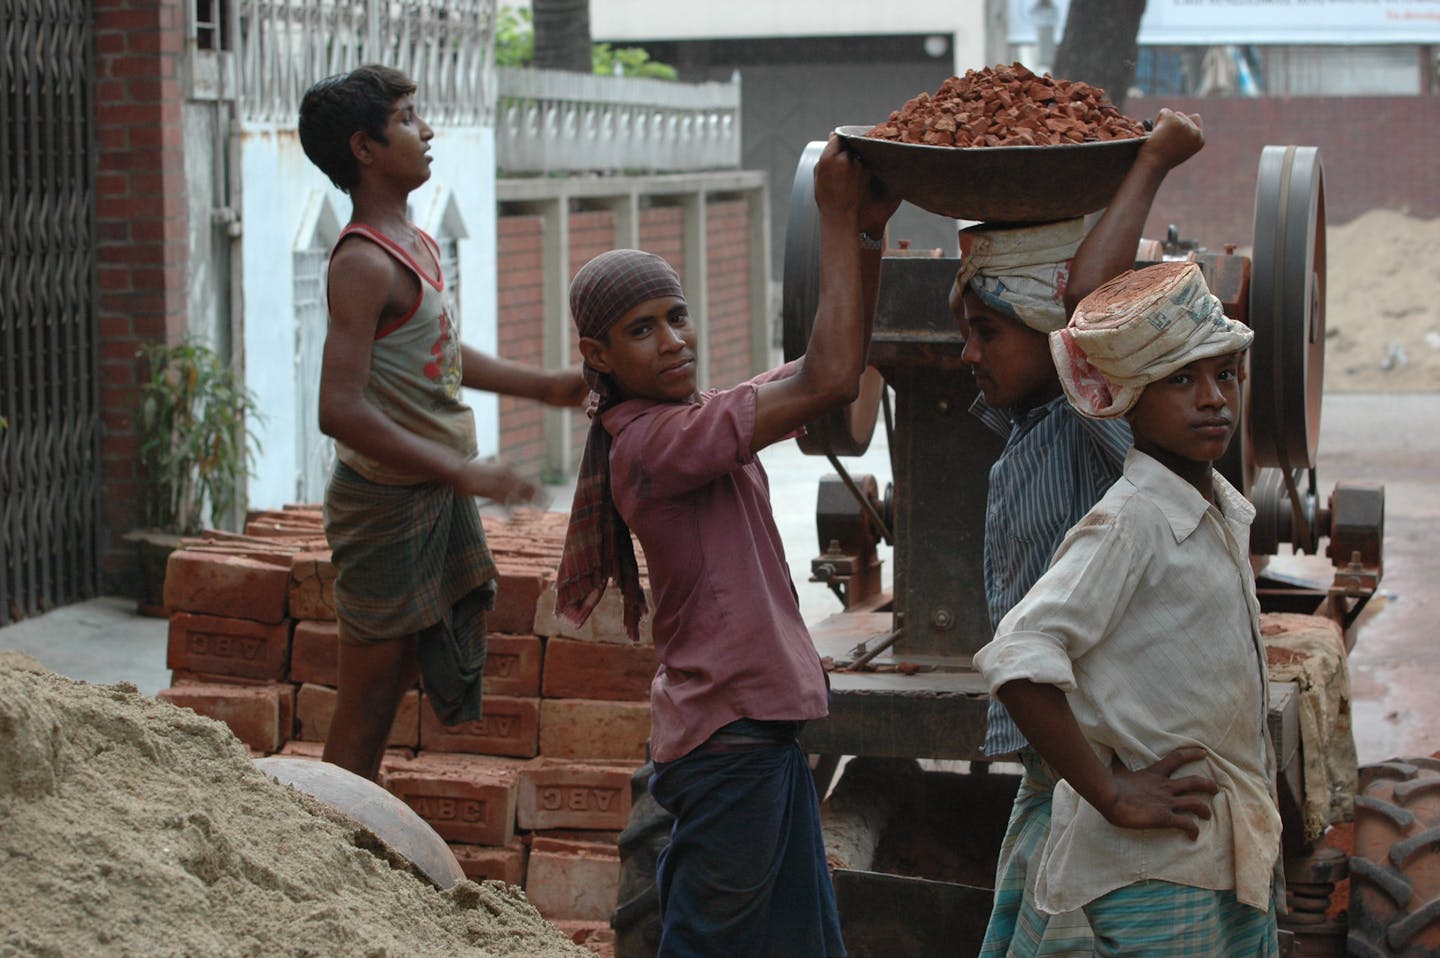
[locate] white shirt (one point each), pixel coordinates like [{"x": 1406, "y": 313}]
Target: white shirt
[{"x": 1147, "y": 619}]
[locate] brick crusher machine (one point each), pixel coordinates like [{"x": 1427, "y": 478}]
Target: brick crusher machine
[{"x": 923, "y": 835}]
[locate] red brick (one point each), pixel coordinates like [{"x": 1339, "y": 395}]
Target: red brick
[
  {"x": 489, "y": 863},
  {"x": 312, "y": 586},
  {"x": 284, "y": 690},
  {"x": 605, "y": 624},
  {"x": 465, "y": 798},
  {"x": 566, "y": 794},
  {"x": 227, "y": 646},
  {"x": 597, "y": 936},
  {"x": 584, "y": 728},
  {"x": 507, "y": 726},
  {"x": 251, "y": 711},
  {"x": 593, "y": 670},
  {"x": 572, "y": 880},
  {"x": 519, "y": 587},
  {"x": 315, "y": 653},
  {"x": 512, "y": 665},
  {"x": 391, "y": 760},
  {"x": 315, "y": 707},
  {"x": 226, "y": 585}
]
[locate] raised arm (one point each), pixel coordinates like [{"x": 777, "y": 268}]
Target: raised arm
[
  {"x": 850, "y": 202},
  {"x": 554, "y": 387},
  {"x": 1109, "y": 248},
  {"x": 1148, "y": 798}
]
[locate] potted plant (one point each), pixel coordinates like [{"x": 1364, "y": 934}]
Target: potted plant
[{"x": 196, "y": 450}]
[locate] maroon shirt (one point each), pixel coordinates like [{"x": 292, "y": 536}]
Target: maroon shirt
[{"x": 726, "y": 620}]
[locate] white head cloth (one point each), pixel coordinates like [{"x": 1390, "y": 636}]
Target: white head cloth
[
  {"x": 1136, "y": 329},
  {"x": 1021, "y": 271}
]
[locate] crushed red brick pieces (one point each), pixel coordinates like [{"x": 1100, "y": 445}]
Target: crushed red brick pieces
[{"x": 1008, "y": 106}]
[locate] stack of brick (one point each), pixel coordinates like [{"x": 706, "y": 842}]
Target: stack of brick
[{"x": 534, "y": 793}]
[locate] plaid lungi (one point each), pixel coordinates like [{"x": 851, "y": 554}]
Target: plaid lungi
[
  {"x": 412, "y": 560},
  {"x": 1018, "y": 929},
  {"x": 1160, "y": 919}
]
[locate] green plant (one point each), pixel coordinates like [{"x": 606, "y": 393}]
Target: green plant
[
  {"x": 515, "y": 47},
  {"x": 196, "y": 447},
  {"x": 629, "y": 62},
  {"x": 514, "y": 37}
]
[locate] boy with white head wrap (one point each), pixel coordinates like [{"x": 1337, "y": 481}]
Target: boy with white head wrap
[
  {"x": 1135, "y": 665},
  {"x": 1017, "y": 284}
]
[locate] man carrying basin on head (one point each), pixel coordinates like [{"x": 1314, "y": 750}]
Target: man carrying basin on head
[{"x": 1016, "y": 285}]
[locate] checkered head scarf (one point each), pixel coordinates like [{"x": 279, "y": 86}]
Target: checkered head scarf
[
  {"x": 597, "y": 543},
  {"x": 1137, "y": 329},
  {"x": 1021, "y": 271}
]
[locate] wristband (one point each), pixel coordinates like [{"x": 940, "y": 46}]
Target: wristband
[{"x": 871, "y": 242}]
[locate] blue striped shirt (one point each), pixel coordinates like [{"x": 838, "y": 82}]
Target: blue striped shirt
[{"x": 1056, "y": 464}]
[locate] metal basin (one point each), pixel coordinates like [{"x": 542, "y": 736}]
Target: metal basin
[
  {"x": 387, "y": 817},
  {"x": 1014, "y": 184}
]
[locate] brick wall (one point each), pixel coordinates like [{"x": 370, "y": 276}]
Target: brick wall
[
  {"x": 141, "y": 230},
  {"x": 591, "y": 234},
  {"x": 728, "y": 268},
  {"x": 662, "y": 231},
  {"x": 1378, "y": 152},
  {"x": 520, "y": 333}
]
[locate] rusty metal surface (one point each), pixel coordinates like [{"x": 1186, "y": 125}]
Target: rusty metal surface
[{"x": 1000, "y": 183}]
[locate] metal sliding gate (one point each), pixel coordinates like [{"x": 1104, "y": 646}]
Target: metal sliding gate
[{"x": 49, "y": 393}]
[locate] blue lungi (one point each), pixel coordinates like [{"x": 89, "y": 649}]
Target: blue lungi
[{"x": 745, "y": 871}]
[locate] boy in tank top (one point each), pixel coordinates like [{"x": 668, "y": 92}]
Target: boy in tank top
[{"x": 414, "y": 574}]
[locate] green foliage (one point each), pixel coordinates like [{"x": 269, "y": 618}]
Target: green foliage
[
  {"x": 630, "y": 61},
  {"x": 514, "y": 37},
  {"x": 195, "y": 445},
  {"x": 515, "y": 47}
]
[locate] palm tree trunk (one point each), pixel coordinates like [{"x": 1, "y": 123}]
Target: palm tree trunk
[
  {"x": 1099, "y": 45},
  {"x": 562, "y": 35}
]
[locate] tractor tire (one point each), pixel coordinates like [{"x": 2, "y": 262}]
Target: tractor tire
[
  {"x": 1395, "y": 871},
  {"x": 636, "y": 919}
]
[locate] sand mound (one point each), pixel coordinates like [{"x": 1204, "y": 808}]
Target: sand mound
[
  {"x": 130, "y": 827},
  {"x": 1382, "y": 313}
]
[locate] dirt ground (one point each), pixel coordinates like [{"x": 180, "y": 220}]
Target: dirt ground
[{"x": 1383, "y": 304}]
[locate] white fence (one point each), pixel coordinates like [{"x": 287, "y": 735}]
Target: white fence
[
  {"x": 550, "y": 121},
  {"x": 445, "y": 46}
]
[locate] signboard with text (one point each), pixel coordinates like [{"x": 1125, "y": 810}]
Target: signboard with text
[{"x": 1273, "y": 22}]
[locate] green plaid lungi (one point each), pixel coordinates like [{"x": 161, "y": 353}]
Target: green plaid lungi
[
  {"x": 412, "y": 560},
  {"x": 1160, "y": 919},
  {"x": 1018, "y": 929}
]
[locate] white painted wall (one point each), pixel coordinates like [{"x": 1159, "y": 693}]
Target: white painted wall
[
  {"x": 278, "y": 185},
  {"x": 639, "y": 20}
]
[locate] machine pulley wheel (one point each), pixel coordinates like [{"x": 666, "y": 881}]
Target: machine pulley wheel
[
  {"x": 845, "y": 431},
  {"x": 1287, "y": 307}
]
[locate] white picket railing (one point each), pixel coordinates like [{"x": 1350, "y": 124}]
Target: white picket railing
[
  {"x": 445, "y": 46},
  {"x": 549, "y": 121}
]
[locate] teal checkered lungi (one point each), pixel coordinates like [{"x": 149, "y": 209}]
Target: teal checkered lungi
[
  {"x": 1160, "y": 919},
  {"x": 1017, "y": 928}
]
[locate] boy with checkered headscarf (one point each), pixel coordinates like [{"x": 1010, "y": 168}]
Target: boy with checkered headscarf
[
  {"x": 1135, "y": 666},
  {"x": 1015, "y": 286}
]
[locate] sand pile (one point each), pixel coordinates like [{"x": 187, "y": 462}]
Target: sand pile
[
  {"x": 130, "y": 827},
  {"x": 1383, "y": 305}
]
